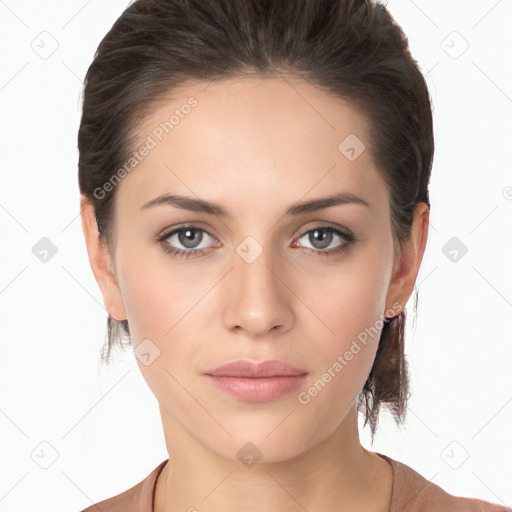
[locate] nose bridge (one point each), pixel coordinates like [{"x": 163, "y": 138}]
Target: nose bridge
[{"x": 258, "y": 299}]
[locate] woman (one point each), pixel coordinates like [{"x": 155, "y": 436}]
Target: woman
[{"x": 254, "y": 178}]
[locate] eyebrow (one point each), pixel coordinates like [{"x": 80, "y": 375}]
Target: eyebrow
[{"x": 200, "y": 205}]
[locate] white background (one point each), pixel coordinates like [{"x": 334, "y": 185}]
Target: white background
[{"x": 103, "y": 421}]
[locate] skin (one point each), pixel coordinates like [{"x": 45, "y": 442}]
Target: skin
[{"x": 257, "y": 146}]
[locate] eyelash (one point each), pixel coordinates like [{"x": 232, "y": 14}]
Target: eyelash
[{"x": 181, "y": 253}]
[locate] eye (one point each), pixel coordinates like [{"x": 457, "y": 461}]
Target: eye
[
  {"x": 192, "y": 238},
  {"x": 321, "y": 237}
]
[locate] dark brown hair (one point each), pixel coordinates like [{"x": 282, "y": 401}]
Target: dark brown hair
[{"x": 352, "y": 49}]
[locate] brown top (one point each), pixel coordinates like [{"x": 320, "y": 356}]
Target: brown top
[{"x": 411, "y": 492}]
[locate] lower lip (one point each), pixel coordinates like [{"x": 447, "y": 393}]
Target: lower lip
[{"x": 263, "y": 389}]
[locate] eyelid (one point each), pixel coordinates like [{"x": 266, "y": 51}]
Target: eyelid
[
  {"x": 168, "y": 232},
  {"x": 323, "y": 225},
  {"x": 183, "y": 225}
]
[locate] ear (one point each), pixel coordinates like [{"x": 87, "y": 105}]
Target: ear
[
  {"x": 101, "y": 262},
  {"x": 405, "y": 271}
]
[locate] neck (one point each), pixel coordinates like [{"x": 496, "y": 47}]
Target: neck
[{"x": 336, "y": 474}]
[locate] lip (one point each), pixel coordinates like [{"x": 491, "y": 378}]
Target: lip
[
  {"x": 263, "y": 381},
  {"x": 246, "y": 368}
]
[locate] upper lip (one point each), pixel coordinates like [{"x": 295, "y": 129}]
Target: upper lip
[{"x": 245, "y": 368}]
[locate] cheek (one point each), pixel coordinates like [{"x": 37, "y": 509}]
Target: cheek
[
  {"x": 346, "y": 358},
  {"x": 349, "y": 298},
  {"x": 156, "y": 293},
  {"x": 162, "y": 307},
  {"x": 166, "y": 304},
  {"x": 350, "y": 304},
  {"x": 150, "y": 305}
]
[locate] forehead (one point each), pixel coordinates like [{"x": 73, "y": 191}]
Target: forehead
[{"x": 259, "y": 135}]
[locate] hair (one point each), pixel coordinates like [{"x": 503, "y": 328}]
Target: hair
[{"x": 352, "y": 49}]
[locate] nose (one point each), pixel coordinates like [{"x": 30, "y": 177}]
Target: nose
[{"x": 258, "y": 299}]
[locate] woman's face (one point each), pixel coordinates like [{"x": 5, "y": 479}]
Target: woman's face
[{"x": 258, "y": 282}]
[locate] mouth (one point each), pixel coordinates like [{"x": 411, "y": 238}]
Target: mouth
[{"x": 257, "y": 382}]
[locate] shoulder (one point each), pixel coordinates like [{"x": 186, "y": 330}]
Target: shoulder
[
  {"x": 414, "y": 493},
  {"x": 138, "y": 498}
]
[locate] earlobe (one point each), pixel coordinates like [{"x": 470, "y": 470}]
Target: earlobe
[
  {"x": 101, "y": 263},
  {"x": 404, "y": 277}
]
